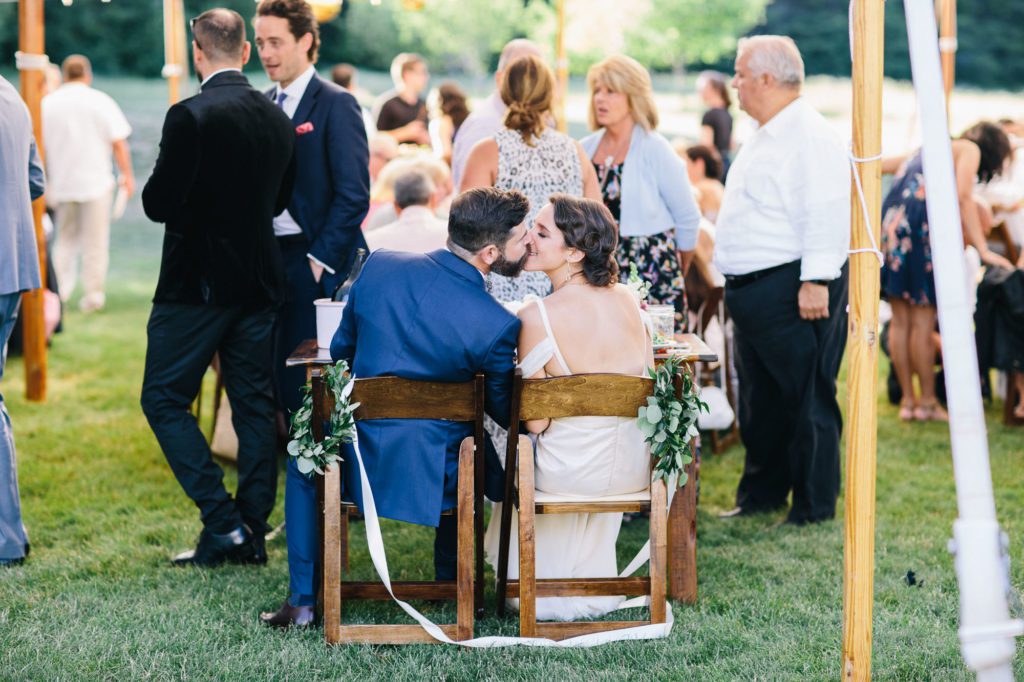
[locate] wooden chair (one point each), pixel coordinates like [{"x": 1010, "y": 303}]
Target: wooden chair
[
  {"x": 610, "y": 395},
  {"x": 395, "y": 398}
]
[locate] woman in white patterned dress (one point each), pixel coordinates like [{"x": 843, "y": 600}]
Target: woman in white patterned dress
[
  {"x": 590, "y": 323},
  {"x": 529, "y": 156}
]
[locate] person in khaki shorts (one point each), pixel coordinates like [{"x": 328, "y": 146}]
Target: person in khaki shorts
[{"x": 83, "y": 126}]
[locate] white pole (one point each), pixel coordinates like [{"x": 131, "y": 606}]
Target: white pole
[{"x": 986, "y": 631}]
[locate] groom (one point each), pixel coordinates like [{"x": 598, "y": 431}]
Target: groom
[{"x": 428, "y": 318}]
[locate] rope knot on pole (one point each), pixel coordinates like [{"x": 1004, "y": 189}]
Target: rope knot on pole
[{"x": 26, "y": 61}]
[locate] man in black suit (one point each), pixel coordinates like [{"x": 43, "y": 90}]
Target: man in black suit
[
  {"x": 320, "y": 230},
  {"x": 226, "y": 168}
]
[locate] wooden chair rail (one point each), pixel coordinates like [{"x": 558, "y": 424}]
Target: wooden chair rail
[
  {"x": 588, "y": 587},
  {"x": 584, "y": 395},
  {"x": 397, "y": 398},
  {"x": 593, "y": 507}
]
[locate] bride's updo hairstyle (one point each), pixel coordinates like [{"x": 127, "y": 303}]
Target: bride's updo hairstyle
[
  {"x": 588, "y": 227},
  {"x": 527, "y": 90}
]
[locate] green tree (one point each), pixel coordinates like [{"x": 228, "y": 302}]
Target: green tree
[{"x": 677, "y": 32}]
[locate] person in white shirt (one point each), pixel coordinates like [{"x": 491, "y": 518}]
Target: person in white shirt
[
  {"x": 416, "y": 230},
  {"x": 487, "y": 117},
  {"x": 782, "y": 238},
  {"x": 83, "y": 128}
]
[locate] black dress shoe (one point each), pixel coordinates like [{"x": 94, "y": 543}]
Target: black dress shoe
[
  {"x": 5, "y": 563},
  {"x": 214, "y": 549},
  {"x": 289, "y": 616}
]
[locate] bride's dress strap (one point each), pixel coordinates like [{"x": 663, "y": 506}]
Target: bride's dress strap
[{"x": 551, "y": 337}]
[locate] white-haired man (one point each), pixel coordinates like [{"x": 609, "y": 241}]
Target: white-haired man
[
  {"x": 488, "y": 117},
  {"x": 781, "y": 241}
]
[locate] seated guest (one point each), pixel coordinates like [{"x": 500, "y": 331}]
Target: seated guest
[
  {"x": 402, "y": 112},
  {"x": 416, "y": 230},
  {"x": 382, "y": 195},
  {"x": 390, "y": 328},
  {"x": 590, "y": 323},
  {"x": 704, "y": 168},
  {"x": 383, "y": 149}
]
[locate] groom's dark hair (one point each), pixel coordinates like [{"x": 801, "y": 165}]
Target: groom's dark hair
[{"x": 485, "y": 215}]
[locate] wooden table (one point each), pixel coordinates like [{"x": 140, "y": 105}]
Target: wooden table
[{"x": 682, "y": 521}]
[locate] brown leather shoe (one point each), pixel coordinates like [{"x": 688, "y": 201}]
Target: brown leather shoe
[{"x": 289, "y": 616}]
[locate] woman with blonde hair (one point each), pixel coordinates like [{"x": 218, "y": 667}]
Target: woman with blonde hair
[
  {"x": 643, "y": 181},
  {"x": 529, "y": 156}
]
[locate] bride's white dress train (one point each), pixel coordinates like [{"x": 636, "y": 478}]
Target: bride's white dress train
[{"x": 581, "y": 457}]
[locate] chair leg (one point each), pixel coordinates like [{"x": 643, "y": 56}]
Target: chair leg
[
  {"x": 659, "y": 550},
  {"x": 478, "y": 526},
  {"x": 466, "y": 510},
  {"x": 527, "y": 560},
  {"x": 344, "y": 540},
  {"x": 682, "y": 540},
  {"x": 333, "y": 534}
]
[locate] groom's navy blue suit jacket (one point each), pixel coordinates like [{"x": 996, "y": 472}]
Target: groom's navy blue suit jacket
[{"x": 429, "y": 318}]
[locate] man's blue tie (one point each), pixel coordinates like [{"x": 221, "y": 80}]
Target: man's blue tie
[{"x": 281, "y": 97}]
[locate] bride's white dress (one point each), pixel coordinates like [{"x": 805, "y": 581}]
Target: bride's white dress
[{"x": 583, "y": 457}]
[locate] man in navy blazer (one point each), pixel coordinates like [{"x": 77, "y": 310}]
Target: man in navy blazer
[
  {"x": 321, "y": 229},
  {"x": 429, "y": 318}
]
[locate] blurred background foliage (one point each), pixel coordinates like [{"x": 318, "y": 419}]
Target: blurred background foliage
[{"x": 124, "y": 37}]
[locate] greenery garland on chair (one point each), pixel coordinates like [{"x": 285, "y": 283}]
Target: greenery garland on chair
[
  {"x": 310, "y": 455},
  {"x": 669, "y": 422}
]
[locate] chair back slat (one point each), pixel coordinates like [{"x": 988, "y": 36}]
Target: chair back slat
[
  {"x": 397, "y": 398},
  {"x": 584, "y": 395}
]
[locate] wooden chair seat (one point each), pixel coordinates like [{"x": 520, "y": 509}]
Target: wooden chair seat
[
  {"x": 395, "y": 398},
  {"x": 574, "y": 396}
]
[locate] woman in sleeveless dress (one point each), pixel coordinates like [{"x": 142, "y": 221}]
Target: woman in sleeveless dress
[
  {"x": 589, "y": 323},
  {"x": 529, "y": 156}
]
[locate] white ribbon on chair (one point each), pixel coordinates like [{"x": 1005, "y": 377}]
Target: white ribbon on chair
[{"x": 375, "y": 541}]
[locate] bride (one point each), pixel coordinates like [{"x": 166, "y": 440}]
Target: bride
[{"x": 589, "y": 323}]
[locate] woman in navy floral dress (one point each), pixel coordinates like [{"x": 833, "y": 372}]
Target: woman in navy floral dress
[{"x": 907, "y": 279}]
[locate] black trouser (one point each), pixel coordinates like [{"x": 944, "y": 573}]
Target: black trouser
[
  {"x": 788, "y": 414},
  {"x": 296, "y": 321},
  {"x": 182, "y": 341},
  {"x": 446, "y": 548}
]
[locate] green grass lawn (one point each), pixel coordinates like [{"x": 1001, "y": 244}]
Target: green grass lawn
[{"x": 99, "y": 600}]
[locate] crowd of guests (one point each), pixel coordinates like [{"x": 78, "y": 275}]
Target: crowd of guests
[{"x": 492, "y": 195}]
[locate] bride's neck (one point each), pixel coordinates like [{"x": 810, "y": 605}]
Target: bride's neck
[{"x": 559, "y": 280}]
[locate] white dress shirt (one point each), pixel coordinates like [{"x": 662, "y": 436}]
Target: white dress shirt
[
  {"x": 82, "y": 124},
  {"x": 487, "y": 118},
  {"x": 787, "y": 198},
  {"x": 415, "y": 231}
]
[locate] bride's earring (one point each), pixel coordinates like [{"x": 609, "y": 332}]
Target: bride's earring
[{"x": 568, "y": 272}]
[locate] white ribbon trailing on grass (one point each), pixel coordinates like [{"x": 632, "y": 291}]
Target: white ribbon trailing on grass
[{"x": 375, "y": 541}]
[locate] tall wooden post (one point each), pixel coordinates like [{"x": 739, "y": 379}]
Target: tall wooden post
[
  {"x": 862, "y": 349},
  {"x": 32, "y": 67},
  {"x": 947, "y": 46},
  {"x": 562, "y": 70},
  {"x": 175, "y": 49}
]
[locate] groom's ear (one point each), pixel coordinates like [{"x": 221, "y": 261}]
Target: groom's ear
[{"x": 489, "y": 254}]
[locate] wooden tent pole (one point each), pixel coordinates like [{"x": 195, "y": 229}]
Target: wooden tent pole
[
  {"x": 947, "y": 47},
  {"x": 562, "y": 72},
  {"x": 175, "y": 49},
  {"x": 862, "y": 349},
  {"x": 33, "y": 75}
]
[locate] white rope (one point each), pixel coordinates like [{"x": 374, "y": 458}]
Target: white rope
[
  {"x": 854, "y": 160},
  {"x": 172, "y": 70},
  {"x": 375, "y": 542},
  {"x": 856, "y": 176},
  {"x": 948, "y": 44},
  {"x": 26, "y": 61}
]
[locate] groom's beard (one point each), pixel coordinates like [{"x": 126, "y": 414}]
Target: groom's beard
[{"x": 509, "y": 268}]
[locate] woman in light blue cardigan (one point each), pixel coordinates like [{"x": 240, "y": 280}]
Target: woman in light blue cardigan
[{"x": 643, "y": 181}]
